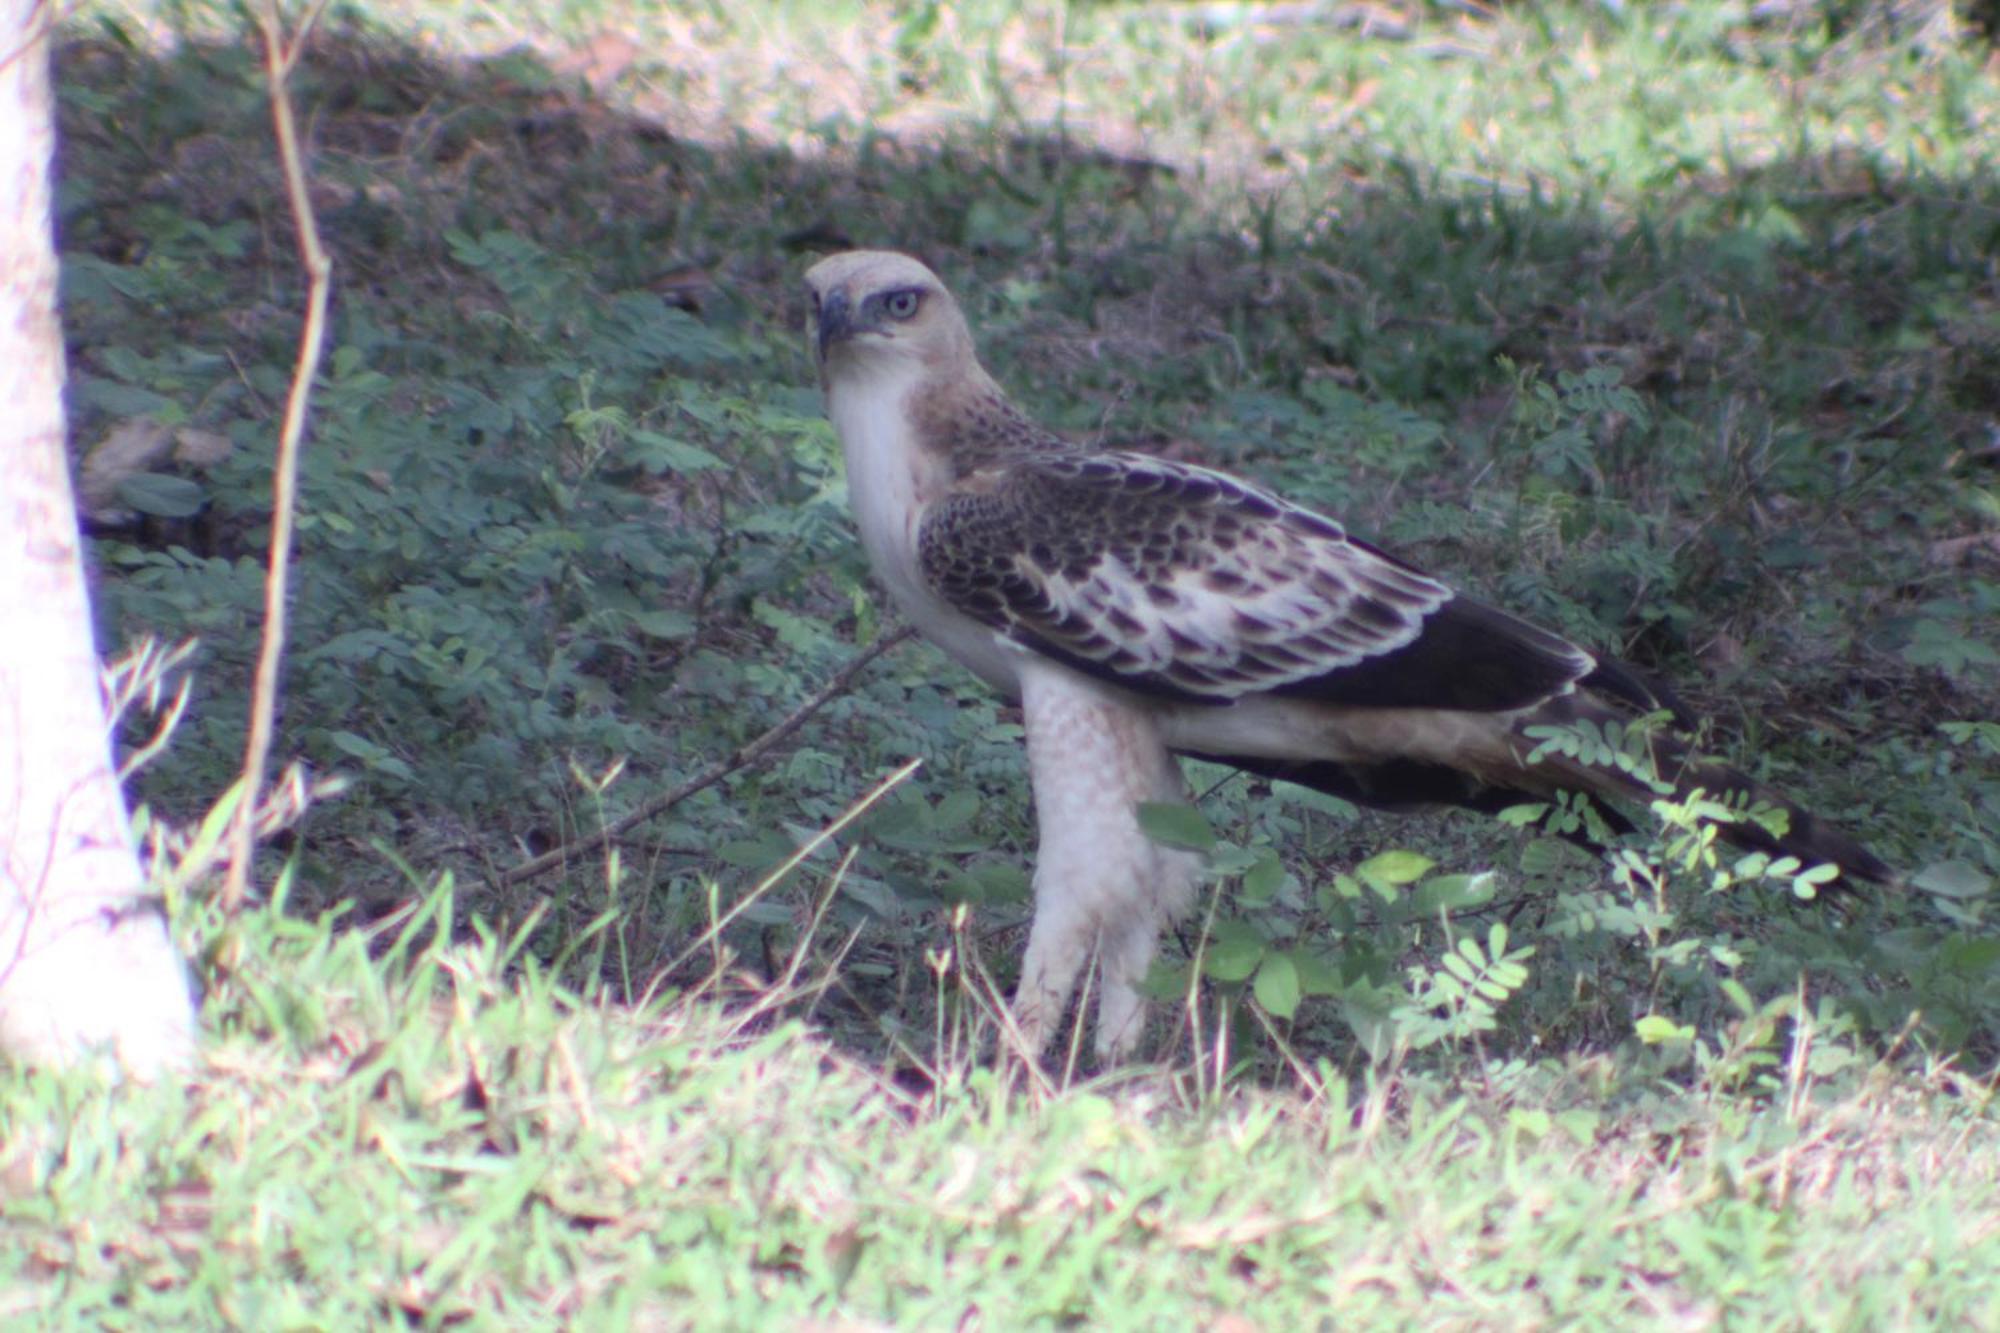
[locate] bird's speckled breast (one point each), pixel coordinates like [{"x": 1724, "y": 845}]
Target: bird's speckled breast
[{"x": 892, "y": 477}]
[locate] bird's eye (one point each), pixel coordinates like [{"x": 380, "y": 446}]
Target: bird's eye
[{"x": 901, "y": 305}]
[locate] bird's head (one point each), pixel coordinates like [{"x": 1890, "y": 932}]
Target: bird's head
[{"x": 878, "y": 313}]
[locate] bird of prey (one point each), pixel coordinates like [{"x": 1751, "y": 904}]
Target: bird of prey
[{"x": 1140, "y": 608}]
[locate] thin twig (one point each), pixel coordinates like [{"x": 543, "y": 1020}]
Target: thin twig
[
  {"x": 714, "y": 773},
  {"x": 280, "y": 58},
  {"x": 721, "y": 921}
]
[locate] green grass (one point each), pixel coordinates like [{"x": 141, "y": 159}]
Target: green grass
[
  {"x": 427, "y": 1132},
  {"x": 1677, "y": 329}
]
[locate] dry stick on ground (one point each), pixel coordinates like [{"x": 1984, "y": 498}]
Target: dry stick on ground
[
  {"x": 714, "y": 773},
  {"x": 720, "y": 921},
  {"x": 280, "y": 58}
]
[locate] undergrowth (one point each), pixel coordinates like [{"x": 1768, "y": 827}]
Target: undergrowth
[{"x": 1709, "y": 387}]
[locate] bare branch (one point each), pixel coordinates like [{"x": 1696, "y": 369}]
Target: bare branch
[
  {"x": 280, "y": 57},
  {"x": 708, "y": 777}
]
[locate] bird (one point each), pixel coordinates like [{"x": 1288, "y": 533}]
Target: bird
[{"x": 1142, "y": 609}]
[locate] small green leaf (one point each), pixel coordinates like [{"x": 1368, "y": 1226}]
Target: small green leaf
[
  {"x": 956, "y": 809},
  {"x": 1376, "y": 1032},
  {"x": 1226, "y": 859},
  {"x": 1580, "y": 1123},
  {"x": 663, "y": 624},
  {"x": 1451, "y": 893},
  {"x": 1394, "y": 868},
  {"x": 1953, "y": 879},
  {"x": 359, "y": 746},
  {"x": 161, "y": 494},
  {"x": 1986, "y": 735},
  {"x": 1263, "y": 880},
  {"x": 754, "y": 853},
  {"x": 1176, "y": 825},
  {"x": 1318, "y": 975},
  {"x": 991, "y": 882},
  {"x": 1310, "y": 799},
  {"x": 1232, "y": 958},
  {"x": 1532, "y": 1122},
  {"x": 1655, "y": 1030},
  {"x": 1277, "y": 986},
  {"x": 662, "y": 453}
]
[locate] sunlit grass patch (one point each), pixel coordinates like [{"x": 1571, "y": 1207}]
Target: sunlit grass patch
[{"x": 425, "y": 1128}]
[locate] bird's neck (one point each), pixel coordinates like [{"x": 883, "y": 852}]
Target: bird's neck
[
  {"x": 971, "y": 422},
  {"x": 893, "y": 468}
]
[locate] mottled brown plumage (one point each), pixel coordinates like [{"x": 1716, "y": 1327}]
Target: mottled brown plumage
[{"x": 1177, "y": 581}]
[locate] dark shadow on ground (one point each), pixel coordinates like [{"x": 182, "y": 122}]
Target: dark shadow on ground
[{"x": 567, "y": 501}]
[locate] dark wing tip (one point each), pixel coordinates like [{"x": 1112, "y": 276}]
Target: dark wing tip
[
  {"x": 1468, "y": 656},
  {"x": 1623, "y": 681}
]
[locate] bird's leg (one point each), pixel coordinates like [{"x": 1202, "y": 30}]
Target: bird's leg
[
  {"x": 1125, "y": 950},
  {"x": 1100, "y": 882},
  {"x": 1058, "y": 942},
  {"x": 1125, "y": 954}
]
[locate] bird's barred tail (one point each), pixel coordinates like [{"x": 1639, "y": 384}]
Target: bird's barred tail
[
  {"x": 1573, "y": 745},
  {"x": 1606, "y": 758}
]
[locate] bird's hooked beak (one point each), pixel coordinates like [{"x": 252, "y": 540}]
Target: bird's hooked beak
[{"x": 835, "y": 319}]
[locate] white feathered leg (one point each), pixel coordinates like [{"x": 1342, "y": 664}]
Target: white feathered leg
[{"x": 1100, "y": 883}]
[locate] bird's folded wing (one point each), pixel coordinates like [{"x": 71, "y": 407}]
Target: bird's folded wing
[{"x": 1175, "y": 581}]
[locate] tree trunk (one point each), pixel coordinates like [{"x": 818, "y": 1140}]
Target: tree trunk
[{"x": 85, "y": 958}]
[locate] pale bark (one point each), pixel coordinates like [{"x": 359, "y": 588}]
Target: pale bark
[{"x": 85, "y": 959}]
